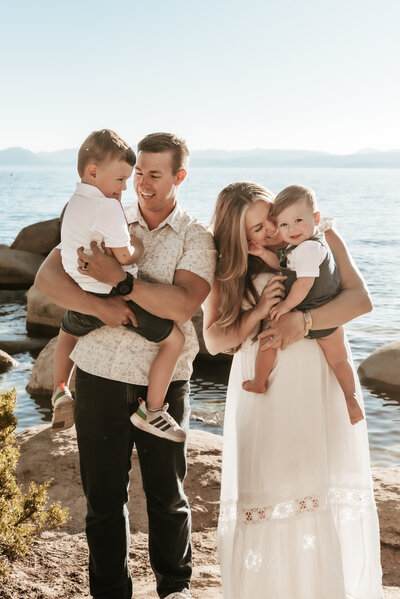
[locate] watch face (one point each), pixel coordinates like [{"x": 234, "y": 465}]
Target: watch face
[{"x": 124, "y": 288}]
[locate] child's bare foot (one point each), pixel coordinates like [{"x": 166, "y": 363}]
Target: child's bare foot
[
  {"x": 255, "y": 386},
  {"x": 354, "y": 410}
]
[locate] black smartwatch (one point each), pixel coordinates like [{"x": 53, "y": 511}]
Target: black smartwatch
[{"x": 124, "y": 287}]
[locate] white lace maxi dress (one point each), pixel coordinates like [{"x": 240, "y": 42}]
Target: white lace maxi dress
[{"x": 297, "y": 518}]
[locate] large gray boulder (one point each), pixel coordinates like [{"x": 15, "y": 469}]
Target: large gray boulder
[
  {"x": 382, "y": 367},
  {"x": 41, "y": 380},
  {"x": 18, "y": 268},
  {"x": 43, "y": 317},
  {"x": 39, "y": 238}
]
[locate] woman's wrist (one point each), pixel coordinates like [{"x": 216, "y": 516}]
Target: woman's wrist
[{"x": 307, "y": 322}]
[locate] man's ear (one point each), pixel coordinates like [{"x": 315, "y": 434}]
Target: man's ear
[
  {"x": 91, "y": 171},
  {"x": 180, "y": 176},
  {"x": 317, "y": 217}
]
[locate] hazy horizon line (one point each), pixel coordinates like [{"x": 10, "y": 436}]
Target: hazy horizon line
[{"x": 220, "y": 149}]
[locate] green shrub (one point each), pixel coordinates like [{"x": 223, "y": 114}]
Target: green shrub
[{"x": 22, "y": 515}]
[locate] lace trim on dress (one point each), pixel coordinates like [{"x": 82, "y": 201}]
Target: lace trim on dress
[{"x": 359, "y": 499}]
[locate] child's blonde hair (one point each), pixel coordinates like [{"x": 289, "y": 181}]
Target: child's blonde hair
[
  {"x": 292, "y": 194},
  {"x": 104, "y": 145},
  {"x": 235, "y": 267}
]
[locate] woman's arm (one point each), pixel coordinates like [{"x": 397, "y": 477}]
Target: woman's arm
[
  {"x": 220, "y": 339},
  {"x": 53, "y": 281},
  {"x": 352, "y": 301}
]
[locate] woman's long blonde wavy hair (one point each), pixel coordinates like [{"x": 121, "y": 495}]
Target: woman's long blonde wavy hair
[{"x": 235, "y": 267}]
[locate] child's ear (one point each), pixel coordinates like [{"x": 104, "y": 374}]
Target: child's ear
[
  {"x": 91, "y": 171},
  {"x": 317, "y": 217}
]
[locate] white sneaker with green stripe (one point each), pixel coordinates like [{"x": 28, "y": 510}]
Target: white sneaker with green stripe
[
  {"x": 63, "y": 408},
  {"x": 158, "y": 422}
]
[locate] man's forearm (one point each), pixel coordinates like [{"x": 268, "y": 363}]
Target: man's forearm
[
  {"x": 169, "y": 301},
  {"x": 54, "y": 282}
]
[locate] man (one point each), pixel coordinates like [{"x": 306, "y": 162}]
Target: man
[{"x": 176, "y": 272}]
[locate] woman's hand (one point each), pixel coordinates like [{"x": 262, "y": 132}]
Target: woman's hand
[
  {"x": 280, "y": 334},
  {"x": 271, "y": 295},
  {"x": 100, "y": 265}
]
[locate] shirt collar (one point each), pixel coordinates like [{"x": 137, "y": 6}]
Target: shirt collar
[
  {"x": 173, "y": 219},
  {"x": 89, "y": 190}
]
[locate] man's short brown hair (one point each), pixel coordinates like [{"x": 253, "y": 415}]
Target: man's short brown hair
[
  {"x": 292, "y": 194},
  {"x": 104, "y": 145},
  {"x": 166, "y": 142}
]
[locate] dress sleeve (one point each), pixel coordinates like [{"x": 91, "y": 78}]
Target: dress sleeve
[
  {"x": 259, "y": 283},
  {"x": 307, "y": 258},
  {"x": 112, "y": 226},
  {"x": 199, "y": 254}
]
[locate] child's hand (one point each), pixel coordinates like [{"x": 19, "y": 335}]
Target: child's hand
[
  {"x": 138, "y": 245},
  {"x": 255, "y": 249},
  {"x": 266, "y": 256},
  {"x": 278, "y": 311}
]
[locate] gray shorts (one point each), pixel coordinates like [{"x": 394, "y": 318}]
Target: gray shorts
[{"x": 150, "y": 327}]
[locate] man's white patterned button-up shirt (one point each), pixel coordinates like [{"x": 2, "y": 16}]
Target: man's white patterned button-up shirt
[{"x": 179, "y": 242}]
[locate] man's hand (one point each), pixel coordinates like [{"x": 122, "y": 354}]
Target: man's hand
[
  {"x": 114, "y": 311},
  {"x": 287, "y": 330},
  {"x": 138, "y": 245},
  {"x": 100, "y": 265}
]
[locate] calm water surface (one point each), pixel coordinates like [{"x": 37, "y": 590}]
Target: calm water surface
[{"x": 366, "y": 206}]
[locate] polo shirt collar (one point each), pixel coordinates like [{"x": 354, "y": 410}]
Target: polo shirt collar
[{"x": 89, "y": 190}]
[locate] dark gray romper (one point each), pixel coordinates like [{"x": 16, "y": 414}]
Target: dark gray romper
[{"x": 326, "y": 286}]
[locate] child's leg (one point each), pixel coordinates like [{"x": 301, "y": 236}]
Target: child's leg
[
  {"x": 265, "y": 362},
  {"x": 63, "y": 364},
  {"x": 62, "y": 401},
  {"x": 163, "y": 367},
  {"x": 151, "y": 416},
  {"x": 335, "y": 351}
]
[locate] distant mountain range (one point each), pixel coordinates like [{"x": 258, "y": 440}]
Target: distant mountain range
[{"x": 368, "y": 158}]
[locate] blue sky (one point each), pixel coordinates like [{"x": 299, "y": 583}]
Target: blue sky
[{"x": 312, "y": 74}]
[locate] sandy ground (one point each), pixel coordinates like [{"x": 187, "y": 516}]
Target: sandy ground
[{"x": 56, "y": 567}]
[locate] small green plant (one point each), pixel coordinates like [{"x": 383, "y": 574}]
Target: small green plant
[{"x": 22, "y": 515}]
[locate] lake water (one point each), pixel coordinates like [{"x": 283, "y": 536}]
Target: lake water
[{"x": 366, "y": 206}]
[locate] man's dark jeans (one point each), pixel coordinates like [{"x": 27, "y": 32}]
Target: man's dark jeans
[{"x": 106, "y": 438}]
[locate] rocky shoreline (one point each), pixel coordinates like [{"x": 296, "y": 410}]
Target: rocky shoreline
[{"x": 57, "y": 564}]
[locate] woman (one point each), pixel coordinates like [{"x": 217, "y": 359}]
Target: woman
[{"x": 298, "y": 518}]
